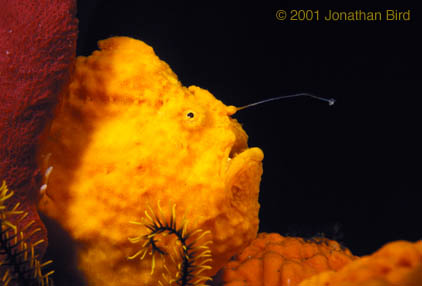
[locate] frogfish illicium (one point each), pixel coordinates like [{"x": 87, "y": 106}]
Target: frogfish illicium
[{"x": 130, "y": 142}]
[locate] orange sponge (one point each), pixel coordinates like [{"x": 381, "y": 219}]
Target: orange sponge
[{"x": 275, "y": 260}]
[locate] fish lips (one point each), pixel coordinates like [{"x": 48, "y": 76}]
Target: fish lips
[{"x": 243, "y": 177}]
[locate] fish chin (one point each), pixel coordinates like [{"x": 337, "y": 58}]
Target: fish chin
[{"x": 243, "y": 177}]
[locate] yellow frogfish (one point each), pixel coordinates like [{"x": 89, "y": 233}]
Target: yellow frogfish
[{"x": 129, "y": 143}]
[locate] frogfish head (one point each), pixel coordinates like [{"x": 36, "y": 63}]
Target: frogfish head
[{"x": 127, "y": 136}]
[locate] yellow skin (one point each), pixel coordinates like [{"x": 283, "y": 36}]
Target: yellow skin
[{"x": 128, "y": 135}]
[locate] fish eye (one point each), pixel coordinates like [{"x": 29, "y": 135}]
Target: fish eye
[
  {"x": 190, "y": 114},
  {"x": 193, "y": 118}
]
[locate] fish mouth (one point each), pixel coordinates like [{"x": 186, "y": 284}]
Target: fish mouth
[
  {"x": 240, "y": 161},
  {"x": 240, "y": 156},
  {"x": 242, "y": 180},
  {"x": 243, "y": 172}
]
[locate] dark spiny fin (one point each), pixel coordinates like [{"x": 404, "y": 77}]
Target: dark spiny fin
[
  {"x": 19, "y": 262},
  {"x": 192, "y": 256}
]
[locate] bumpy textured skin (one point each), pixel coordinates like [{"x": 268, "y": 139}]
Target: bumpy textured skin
[
  {"x": 37, "y": 50},
  {"x": 275, "y": 260},
  {"x": 397, "y": 263},
  {"x": 123, "y": 140}
]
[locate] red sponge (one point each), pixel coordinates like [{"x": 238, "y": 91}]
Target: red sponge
[{"x": 37, "y": 50}]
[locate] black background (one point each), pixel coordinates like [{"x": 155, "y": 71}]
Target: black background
[{"x": 350, "y": 171}]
